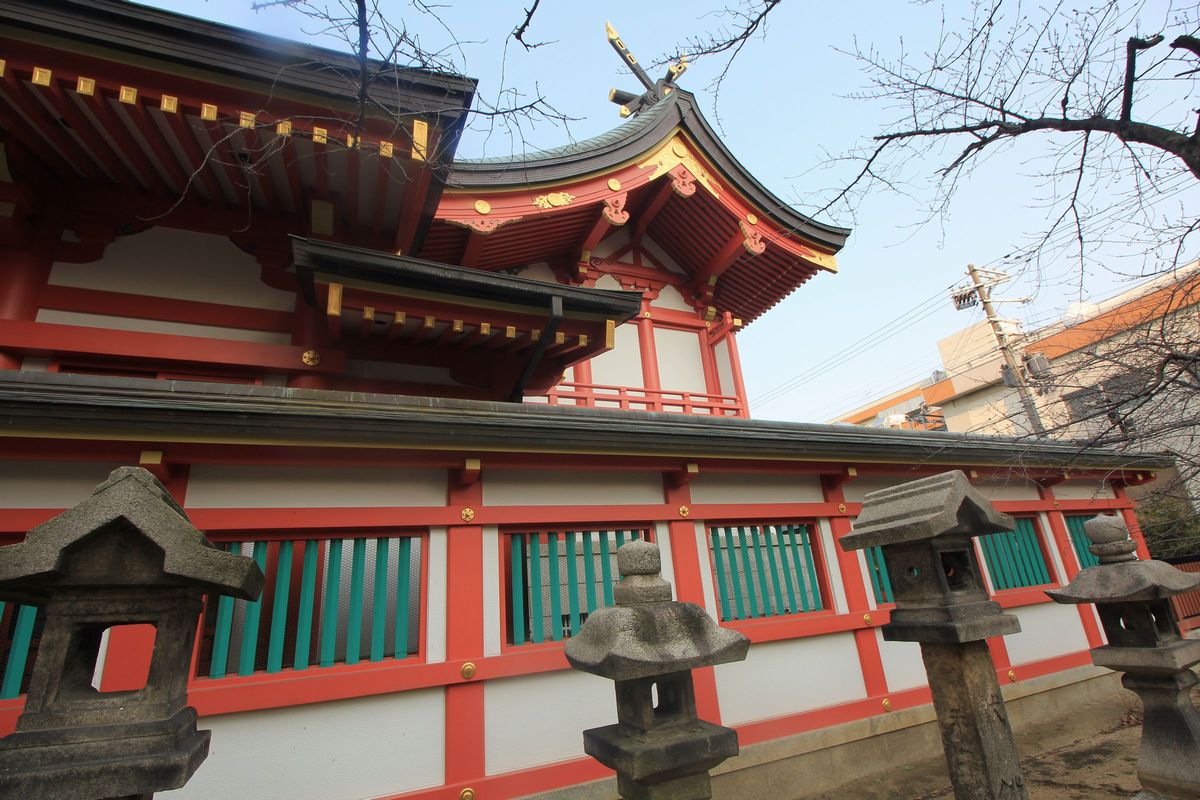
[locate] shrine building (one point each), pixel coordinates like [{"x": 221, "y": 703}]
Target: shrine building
[{"x": 432, "y": 396}]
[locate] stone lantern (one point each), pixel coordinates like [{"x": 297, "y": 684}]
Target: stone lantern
[
  {"x": 925, "y": 528},
  {"x": 649, "y": 644},
  {"x": 125, "y": 555},
  {"x": 1132, "y": 598}
]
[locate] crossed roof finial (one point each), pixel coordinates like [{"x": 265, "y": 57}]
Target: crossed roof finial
[{"x": 629, "y": 102}]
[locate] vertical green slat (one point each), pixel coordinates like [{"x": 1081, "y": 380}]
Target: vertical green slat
[
  {"x": 329, "y": 614},
  {"x": 771, "y": 549},
  {"x": 555, "y": 589},
  {"x": 283, "y": 585},
  {"x": 358, "y": 563},
  {"x": 748, "y": 575},
  {"x": 589, "y": 569},
  {"x": 535, "y": 592},
  {"x": 222, "y": 628},
  {"x": 990, "y": 559},
  {"x": 517, "y": 561},
  {"x": 572, "y": 582},
  {"x": 722, "y": 581},
  {"x": 872, "y": 573},
  {"x": 379, "y": 607},
  {"x": 812, "y": 568},
  {"x": 805, "y": 604},
  {"x": 763, "y": 586},
  {"x": 885, "y": 580},
  {"x": 304, "y": 613},
  {"x": 1034, "y": 551},
  {"x": 253, "y": 615},
  {"x": 18, "y": 654},
  {"x": 788, "y": 580},
  {"x": 620, "y": 539},
  {"x": 1003, "y": 571},
  {"x": 740, "y": 599},
  {"x": 1020, "y": 555},
  {"x": 606, "y": 568},
  {"x": 403, "y": 580}
]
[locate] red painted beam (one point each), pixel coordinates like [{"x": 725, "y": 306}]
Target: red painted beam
[
  {"x": 165, "y": 309},
  {"x": 50, "y": 339},
  {"x": 649, "y": 211}
]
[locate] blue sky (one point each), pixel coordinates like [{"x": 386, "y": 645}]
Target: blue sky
[{"x": 785, "y": 108}]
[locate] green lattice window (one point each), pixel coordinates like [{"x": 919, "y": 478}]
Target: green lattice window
[
  {"x": 881, "y": 584},
  {"x": 1015, "y": 558},
  {"x": 1079, "y": 540},
  {"x": 765, "y": 570}
]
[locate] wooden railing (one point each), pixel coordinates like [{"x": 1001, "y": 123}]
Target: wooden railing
[
  {"x": 1187, "y": 605},
  {"x": 591, "y": 395}
]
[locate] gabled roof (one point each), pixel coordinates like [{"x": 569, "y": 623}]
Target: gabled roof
[{"x": 679, "y": 110}]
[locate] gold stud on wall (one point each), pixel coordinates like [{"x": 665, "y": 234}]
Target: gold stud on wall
[
  {"x": 311, "y": 358},
  {"x": 468, "y": 670},
  {"x": 467, "y": 514}
]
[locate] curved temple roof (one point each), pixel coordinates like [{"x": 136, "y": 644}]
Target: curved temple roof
[{"x": 740, "y": 248}]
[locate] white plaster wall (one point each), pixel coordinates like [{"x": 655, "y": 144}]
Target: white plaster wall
[
  {"x": 704, "y": 548},
  {"x": 662, "y": 537},
  {"x": 1082, "y": 490},
  {"x": 342, "y": 750},
  {"x": 1047, "y": 630},
  {"x": 780, "y": 678},
  {"x": 1013, "y": 489},
  {"x": 724, "y": 368},
  {"x": 183, "y": 265},
  {"x": 562, "y": 488},
  {"x": 158, "y": 326},
  {"x": 755, "y": 488},
  {"x": 680, "y": 368},
  {"x": 621, "y": 366},
  {"x": 615, "y": 240},
  {"x": 827, "y": 551},
  {"x": 669, "y": 297},
  {"x": 902, "y": 664},
  {"x": 538, "y": 719},
  {"x": 492, "y": 633},
  {"x": 251, "y": 486},
  {"x": 539, "y": 271},
  {"x": 48, "y": 484},
  {"x": 854, "y": 490},
  {"x": 435, "y": 607},
  {"x": 661, "y": 256}
]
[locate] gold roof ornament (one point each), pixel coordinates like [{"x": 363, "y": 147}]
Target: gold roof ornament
[{"x": 629, "y": 102}]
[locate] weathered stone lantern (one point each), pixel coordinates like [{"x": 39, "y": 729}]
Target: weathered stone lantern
[
  {"x": 649, "y": 644},
  {"x": 1132, "y": 598},
  {"x": 125, "y": 555},
  {"x": 925, "y": 528}
]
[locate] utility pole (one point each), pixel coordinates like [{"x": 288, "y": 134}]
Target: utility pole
[{"x": 984, "y": 292}]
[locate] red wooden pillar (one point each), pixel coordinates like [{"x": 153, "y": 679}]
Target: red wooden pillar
[
  {"x": 1062, "y": 543},
  {"x": 735, "y": 367},
  {"x": 865, "y": 639},
  {"x": 712, "y": 380},
  {"x": 1131, "y": 521},
  {"x": 464, "y": 633},
  {"x": 688, "y": 562},
  {"x": 648, "y": 350},
  {"x": 23, "y": 274}
]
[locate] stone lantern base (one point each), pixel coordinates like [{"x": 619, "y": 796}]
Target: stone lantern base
[
  {"x": 648, "y": 766},
  {"x": 91, "y": 763}
]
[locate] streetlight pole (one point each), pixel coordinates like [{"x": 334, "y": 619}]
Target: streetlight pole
[{"x": 984, "y": 292}]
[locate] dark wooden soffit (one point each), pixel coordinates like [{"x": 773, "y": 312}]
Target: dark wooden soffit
[
  {"x": 33, "y": 403},
  {"x": 629, "y": 142}
]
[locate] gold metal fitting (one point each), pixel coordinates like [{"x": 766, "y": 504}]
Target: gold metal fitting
[
  {"x": 841, "y": 508},
  {"x": 646, "y": 314},
  {"x": 684, "y": 511},
  {"x": 467, "y": 794},
  {"x": 752, "y": 219},
  {"x": 867, "y": 619},
  {"x": 310, "y": 358},
  {"x": 1012, "y": 675},
  {"x": 614, "y": 184},
  {"x": 483, "y": 207},
  {"x": 887, "y": 704},
  {"x": 468, "y": 670},
  {"x": 467, "y": 514}
]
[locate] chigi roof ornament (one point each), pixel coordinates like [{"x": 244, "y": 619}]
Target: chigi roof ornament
[{"x": 629, "y": 102}]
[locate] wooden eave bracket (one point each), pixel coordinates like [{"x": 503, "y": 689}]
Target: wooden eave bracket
[
  {"x": 1134, "y": 479},
  {"x": 468, "y": 473},
  {"x": 683, "y": 476},
  {"x": 155, "y": 462},
  {"x": 836, "y": 480}
]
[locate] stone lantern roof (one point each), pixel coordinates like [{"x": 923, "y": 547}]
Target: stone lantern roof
[
  {"x": 1120, "y": 577},
  {"x": 646, "y": 633},
  {"x": 131, "y": 503}
]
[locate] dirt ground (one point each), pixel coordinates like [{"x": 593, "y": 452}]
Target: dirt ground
[{"x": 1098, "y": 765}]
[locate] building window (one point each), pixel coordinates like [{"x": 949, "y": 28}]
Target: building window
[
  {"x": 1079, "y": 540},
  {"x": 554, "y": 580},
  {"x": 1114, "y": 399},
  {"x": 881, "y": 584},
  {"x": 1015, "y": 558},
  {"x": 765, "y": 570},
  {"x": 327, "y": 600}
]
